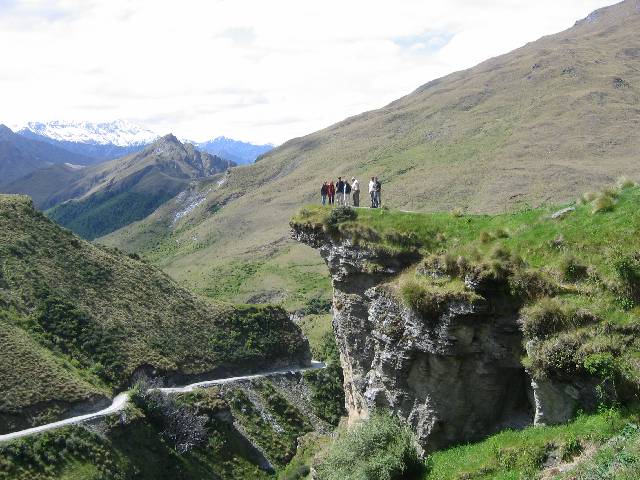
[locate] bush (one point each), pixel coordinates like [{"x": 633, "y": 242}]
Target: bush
[
  {"x": 588, "y": 197},
  {"x": 430, "y": 301},
  {"x": 548, "y": 316},
  {"x": 625, "y": 182},
  {"x": 381, "y": 448},
  {"x": 603, "y": 203},
  {"x": 556, "y": 356},
  {"x": 341, "y": 214},
  {"x": 572, "y": 269},
  {"x": 542, "y": 319},
  {"x": 531, "y": 284},
  {"x": 485, "y": 237},
  {"x": 627, "y": 269}
]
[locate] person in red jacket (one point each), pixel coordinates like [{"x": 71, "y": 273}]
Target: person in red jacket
[{"x": 331, "y": 192}]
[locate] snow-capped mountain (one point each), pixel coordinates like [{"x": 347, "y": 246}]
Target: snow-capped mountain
[
  {"x": 119, "y": 133},
  {"x": 234, "y": 150}
]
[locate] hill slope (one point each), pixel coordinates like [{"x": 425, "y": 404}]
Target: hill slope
[
  {"x": 20, "y": 156},
  {"x": 83, "y": 319},
  {"x": 116, "y": 193},
  {"x": 542, "y": 123}
]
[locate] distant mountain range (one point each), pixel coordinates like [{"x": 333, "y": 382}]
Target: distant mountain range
[
  {"x": 100, "y": 141},
  {"x": 20, "y": 156},
  {"x": 106, "y": 141},
  {"x": 240, "y": 152}
]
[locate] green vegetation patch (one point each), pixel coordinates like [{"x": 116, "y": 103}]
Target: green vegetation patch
[
  {"x": 524, "y": 453},
  {"x": 381, "y": 448}
]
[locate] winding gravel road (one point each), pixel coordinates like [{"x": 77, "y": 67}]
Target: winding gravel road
[{"x": 120, "y": 400}]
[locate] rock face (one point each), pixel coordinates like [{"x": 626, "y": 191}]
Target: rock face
[{"x": 454, "y": 377}]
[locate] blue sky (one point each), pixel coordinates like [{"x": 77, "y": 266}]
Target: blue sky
[{"x": 249, "y": 69}]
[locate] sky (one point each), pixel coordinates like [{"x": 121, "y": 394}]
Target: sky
[{"x": 255, "y": 70}]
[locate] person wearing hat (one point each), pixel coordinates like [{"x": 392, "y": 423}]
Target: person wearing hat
[{"x": 355, "y": 190}]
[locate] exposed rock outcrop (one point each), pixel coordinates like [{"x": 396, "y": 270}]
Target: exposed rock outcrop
[{"x": 455, "y": 376}]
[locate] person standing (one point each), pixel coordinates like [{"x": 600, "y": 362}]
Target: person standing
[
  {"x": 355, "y": 189},
  {"x": 340, "y": 191},
  {"x": 347, "y": 193},
  {"x": 378, "y": 193},
  {"x": 331, "y": 192},
  {"x": 324, "y": 191},
  {"x": 372, "y": 192}
]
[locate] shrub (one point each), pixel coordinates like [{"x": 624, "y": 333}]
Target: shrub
[
  {"x": 549, "y": 316},
  {"x": 341, "y": 214},
  {"x": 627, "y": 269},
  {"x": 485, "y": 237},
  {"x": 588, "y": 197},
  {"x": 572, "y": 269},
  {"x": 542, "y": 319},
  {"x": 532, "y": 284},
  {"x": 501, "y": 233},
  {"x": 428, "y": 300},
  {"x": 381, "y": 447},
  {"x": 604, "y": 203},
  {"x": 625, "y": 182},
  {"x": 556, "y": 355},
  {"x": 601, "y": 365},
  {"x": 571, "y": 448}
]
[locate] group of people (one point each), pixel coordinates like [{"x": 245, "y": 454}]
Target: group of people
[{"x": 349, "y": 193}]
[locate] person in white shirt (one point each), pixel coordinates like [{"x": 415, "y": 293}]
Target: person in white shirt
[
  {"x": 372, "y": 192},
  {"x": 355, "y": 190}
]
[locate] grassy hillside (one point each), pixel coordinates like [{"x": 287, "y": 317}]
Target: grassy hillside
[
  {"x": 86, "y": 318},
  {"x": 538, "y": 125},
  {"x": 113, "y": 194}
]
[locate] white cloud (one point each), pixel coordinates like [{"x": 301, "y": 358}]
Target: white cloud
[{"x": 250, "y": 69}]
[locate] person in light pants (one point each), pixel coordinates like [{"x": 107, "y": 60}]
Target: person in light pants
[
  {"x": 372, "y": 192},
  {"x": 355, "y": 190}
]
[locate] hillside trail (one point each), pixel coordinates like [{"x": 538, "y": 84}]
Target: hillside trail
[{"x": 120, "y": 401}]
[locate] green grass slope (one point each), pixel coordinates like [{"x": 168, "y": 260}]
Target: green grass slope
[
  {"x": 102, "y": 315},
  {"x": 540, "y": 124}
]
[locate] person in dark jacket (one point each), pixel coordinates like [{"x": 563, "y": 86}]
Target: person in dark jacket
[
  {"x": 324, "y": 191},
  {"x": 378, "y": 193},
  {"x": 340, "y": 191},
  {"x": 331, "y": 192}
]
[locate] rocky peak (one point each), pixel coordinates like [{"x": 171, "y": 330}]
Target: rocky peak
[{"x": 5, "y": 132}]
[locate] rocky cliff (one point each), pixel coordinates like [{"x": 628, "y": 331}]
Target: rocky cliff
[{"x": 454, "y": 374}]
